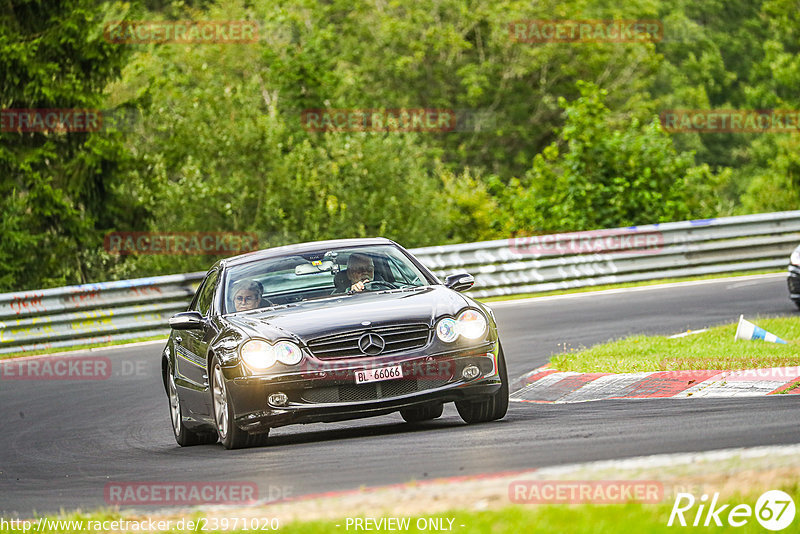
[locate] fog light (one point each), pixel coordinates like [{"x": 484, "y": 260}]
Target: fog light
[
  {"x": 470, "y": 372},
  {"x": 278, "y": 399}
]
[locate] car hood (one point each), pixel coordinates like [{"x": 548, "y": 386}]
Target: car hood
[{"x": 316, "y": 318}]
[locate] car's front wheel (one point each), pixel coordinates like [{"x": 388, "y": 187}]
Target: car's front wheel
[
  {"x": 184, "y": 436},
  {"x": 231, "y": 436},
  {"x": 422, "y": 413},
  {"x": 493, "y": 407}
]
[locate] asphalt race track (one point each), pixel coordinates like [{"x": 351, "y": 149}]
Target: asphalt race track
[{"x": 63, "y": 441}]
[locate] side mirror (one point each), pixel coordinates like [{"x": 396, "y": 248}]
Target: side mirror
[
  {"x": 459, "y": 281},
  {"x": 189, "y": 320}
]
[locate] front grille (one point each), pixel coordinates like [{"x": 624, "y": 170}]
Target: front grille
[
  {"x": 366, "y": 392},
  {"x": 397, "y": 338}
]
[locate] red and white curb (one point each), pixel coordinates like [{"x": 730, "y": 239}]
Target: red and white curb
[{"x": 552, "y": 386}]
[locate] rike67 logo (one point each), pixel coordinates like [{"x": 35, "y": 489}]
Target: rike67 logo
[{"x": 774, "y": 510}]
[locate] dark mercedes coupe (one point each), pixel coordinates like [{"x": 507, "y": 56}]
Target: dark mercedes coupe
[{"x": 328, "y": 331}]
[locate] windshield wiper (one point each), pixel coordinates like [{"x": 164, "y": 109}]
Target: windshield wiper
[
  {"x": 268, "y": 308},
  {"x": 401, "y": 289}
]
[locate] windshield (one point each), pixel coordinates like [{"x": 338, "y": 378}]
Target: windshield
[{"x": 319, "y": 274}]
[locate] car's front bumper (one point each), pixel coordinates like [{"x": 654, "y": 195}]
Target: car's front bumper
[{"x": 328, "y": 392}]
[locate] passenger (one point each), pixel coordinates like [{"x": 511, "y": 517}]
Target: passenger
[{"x": 247, "y": 295}]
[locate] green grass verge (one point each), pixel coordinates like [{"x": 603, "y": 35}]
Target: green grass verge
[
  {"x": 712, "y": 349},
  {"x": 569, "y": 519},
  {"x": 80, "y": 347},
  {"x": 789, "y": 389},
  {"x": 588, "y": 289},
  {"x": 545, "y": 519}
]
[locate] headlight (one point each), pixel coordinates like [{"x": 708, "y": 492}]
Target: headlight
[
  {"x": 471, "y": 324},
  {"x": 446, "y": 330},
  {"x": 288, "y": 353},
  {"x": 260, "y": 355},
  {"x": 795, "y": 257}
]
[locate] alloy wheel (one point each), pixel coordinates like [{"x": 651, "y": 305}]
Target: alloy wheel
[{"x": 220, "y": 402}]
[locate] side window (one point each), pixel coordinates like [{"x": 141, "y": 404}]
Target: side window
[
  {"x": 193, "y": 305},
  {"x": 207, "y": 293}
]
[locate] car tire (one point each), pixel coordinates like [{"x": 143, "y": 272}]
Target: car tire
[
  {"x": 230, "y": 435},
  {"x": 492, "y": 408},
  {"x": 184, "y": 436},
  {"x": 422, "y": 413}
]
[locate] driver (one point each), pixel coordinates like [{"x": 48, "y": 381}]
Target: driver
[
  {"x": 247, "y": 295},
  {"x": 360, "y": 270}
]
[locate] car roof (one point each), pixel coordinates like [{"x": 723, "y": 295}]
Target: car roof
[{"x": 301, "y": 248}]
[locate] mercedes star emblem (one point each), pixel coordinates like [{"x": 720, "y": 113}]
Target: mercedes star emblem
[{"x": 371, "y": 344}]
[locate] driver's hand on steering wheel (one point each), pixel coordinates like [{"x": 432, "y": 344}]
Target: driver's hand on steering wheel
[{"x": 359, "y": 286}]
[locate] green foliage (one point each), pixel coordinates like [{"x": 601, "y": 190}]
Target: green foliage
[
  {"x": 473, "y": 214},
  {"x": 735, "y": 55},
  {"x": 569, "y": 138},
  {"x": 603, "y": 175},
  {"x": 770, "y": 180},
  {"x": 776, "y": 186},
  {"x": 458, "y": 54},
  {"x": 55, "y": 188},
  {"x": 222, "y": 156}
]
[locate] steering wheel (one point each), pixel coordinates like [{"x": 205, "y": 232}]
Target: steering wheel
[{"x": 374, "y": 285}]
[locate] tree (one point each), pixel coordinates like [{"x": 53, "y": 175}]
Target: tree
[
  {"x": 55, "y": 193},
  {"x": 222, "y": 147},
  {"x": 771, "y": 178},
  {"x": 601, "y": 174}
]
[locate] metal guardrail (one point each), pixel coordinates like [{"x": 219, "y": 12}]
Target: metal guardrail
[
  {"x": 677, "y": 249},
  {"x": 90, "y": 313}
]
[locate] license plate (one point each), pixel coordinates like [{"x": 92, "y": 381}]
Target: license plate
[{"x": 377, "y": 375}]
